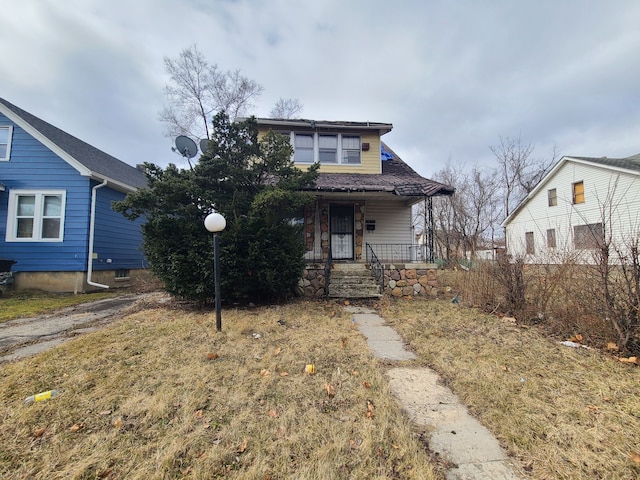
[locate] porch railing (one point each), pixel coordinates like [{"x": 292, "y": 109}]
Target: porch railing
[
  {"x": 327, "y": 273},
  {"x": 377, "y": 270},
  {"x": 398, "y": 253}
]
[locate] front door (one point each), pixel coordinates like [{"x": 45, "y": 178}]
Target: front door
[{"x": 342, "y": 232}]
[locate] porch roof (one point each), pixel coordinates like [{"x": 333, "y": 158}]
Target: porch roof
[{"x": 397, "y": 178}]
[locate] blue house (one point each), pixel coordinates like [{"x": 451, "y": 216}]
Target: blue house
[{"x": 56, "y": 220}]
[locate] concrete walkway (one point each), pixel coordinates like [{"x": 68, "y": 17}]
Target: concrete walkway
[{"x": 457, "y": 437}]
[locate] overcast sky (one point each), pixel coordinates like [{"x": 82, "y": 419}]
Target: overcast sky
[{"x": 451, "y": 76}]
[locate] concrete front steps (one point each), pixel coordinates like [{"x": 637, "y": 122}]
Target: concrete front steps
[{"x": 353, "y": 280}]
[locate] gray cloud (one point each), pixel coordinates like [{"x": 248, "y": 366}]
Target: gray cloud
[{"x": 451, "y": 76}]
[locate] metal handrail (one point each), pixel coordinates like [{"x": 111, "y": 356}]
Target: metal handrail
[
  {"x": 327, "y": 272},
  {"x": 377, "y": 270}
]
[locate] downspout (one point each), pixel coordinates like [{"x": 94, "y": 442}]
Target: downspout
[{"x": 92, "y": 226}]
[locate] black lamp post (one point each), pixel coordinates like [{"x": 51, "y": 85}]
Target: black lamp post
[{"x": 215, "y": 223}]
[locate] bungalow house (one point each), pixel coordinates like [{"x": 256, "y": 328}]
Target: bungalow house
[
  {"x": 56, "y": 221},
  {"x": 361, "y": 218},
  {"x": 581, "y": 204}
]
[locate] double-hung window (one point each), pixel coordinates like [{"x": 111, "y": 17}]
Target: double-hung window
[
  {"x": 36, "y": 216},
  {"x": 578, "y": 192},
  {"x": 303, "y": 146},
  {"x": 350, "y": 149},
  {"x": 5, "y": 142},
  {"x": 328, "y": 148}
]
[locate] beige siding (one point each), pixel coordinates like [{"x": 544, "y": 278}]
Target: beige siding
[
  {"x": 393, "y": 223},
  {"x": 370, "y": 159},
  {"x": 371, "y": 163},
  {"x": 611, "y": 198}
]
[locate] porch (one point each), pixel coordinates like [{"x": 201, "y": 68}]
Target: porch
[{"x": 388, "y": 269}]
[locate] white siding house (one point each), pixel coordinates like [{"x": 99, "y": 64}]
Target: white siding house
[{"x": 579, "y": 205}]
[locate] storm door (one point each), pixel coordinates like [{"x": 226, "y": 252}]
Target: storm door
[{"x": 342, "y": 232}]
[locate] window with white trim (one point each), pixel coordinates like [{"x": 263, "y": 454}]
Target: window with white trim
[
  {"x": 303, "y": 147},
  {"x": 327, "y": 148},
  {"x": 6, "y": 132},
  {"x": 36, "y": 216},
  {"x": 350, "y": 149}
]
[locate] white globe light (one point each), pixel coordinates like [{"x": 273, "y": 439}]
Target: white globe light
[{"x": 215, "y": 222}]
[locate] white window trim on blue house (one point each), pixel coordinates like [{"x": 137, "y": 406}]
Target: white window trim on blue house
[
  {"x": 39, "y": 215},
  {"x": 6, "y": 132}
]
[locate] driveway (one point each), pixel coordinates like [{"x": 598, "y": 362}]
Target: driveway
[{"x": 23, "y": 337}]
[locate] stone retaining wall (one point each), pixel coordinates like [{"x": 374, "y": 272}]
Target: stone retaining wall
[{"x": 401, "y": 280}]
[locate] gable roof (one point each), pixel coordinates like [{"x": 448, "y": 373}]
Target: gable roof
[
  {"x": 397, "y": 178},
  {"x": 626, "y": 164},
  {"x": 86, "y": 159}
]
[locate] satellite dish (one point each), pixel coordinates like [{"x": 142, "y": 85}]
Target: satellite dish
[
  {"x": 204, "y": 143},
  {"x": 186, "y": 147}
]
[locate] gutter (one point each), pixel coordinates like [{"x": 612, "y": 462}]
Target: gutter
[{"x": 92, "y": 226}]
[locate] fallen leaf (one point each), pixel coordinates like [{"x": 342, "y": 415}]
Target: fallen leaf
[
  {"x": 277, "y": 351},
  {"x": 331, "y": 390},
  {"x": 629, "y": 360},
  {"x": 343, "y": 342},
  {"x": 117, "y": 423},
  {"x": 76, "y": 427},
  {"x": 273, "y": 414},
  {"x": 243, "y": 446},
  {"x": 283, "y": 374},
  {"x": 635, "y": 456},
  {"x": 105, "y": 412},
  {"x": 265, "y": 373},
  {"x": 355, "y": 373},
  {"x": 612, "y": 346},
  {"x": 198, "y": 414},
  {"x": 592, "y": 408},
  {"x": 347, "y": 302},
  {"x": 212, "y": 356},
  {"x": 366, "y": 384},
  {"x": 506, "y": 369},
  {"x": 370, "y": 409},
  {"x": 576, "y": 338},
  {"x": 38, "y": 432}
]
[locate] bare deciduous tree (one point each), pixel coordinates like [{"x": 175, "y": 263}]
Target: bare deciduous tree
[
  {"x": 197, "y": 90},
  {"x": 519, "y": 171},
  {"x": 286, "y": 108}
]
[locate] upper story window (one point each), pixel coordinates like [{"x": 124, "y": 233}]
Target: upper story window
[
  {"x": 303, "y": 148},
  {"x": 350, "y": 149},
  {"x": 578, "y": 192},
  {"x": 36, "y": 216},
  {"x": 5, "y": 141},
  {"x": 553, "y": 197},
  {"x": 327, "y": 148}
]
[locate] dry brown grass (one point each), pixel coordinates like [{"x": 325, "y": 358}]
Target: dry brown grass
[
  {"x": 565, "y": 413},
  {"x": 161, "y": 394}
]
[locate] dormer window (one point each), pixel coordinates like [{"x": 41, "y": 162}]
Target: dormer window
[
  {"x": 327, "y": 148},
  {"x": 350, "y": 149}
]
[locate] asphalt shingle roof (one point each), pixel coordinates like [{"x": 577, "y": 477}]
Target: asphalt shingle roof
[
  {"x": 98, "y": 162},
  {"x": 397, "y": 177},
  {"x": 629, "y": 163}
]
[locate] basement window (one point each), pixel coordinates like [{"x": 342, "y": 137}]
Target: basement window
[{"x": 122, "y": 274}]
